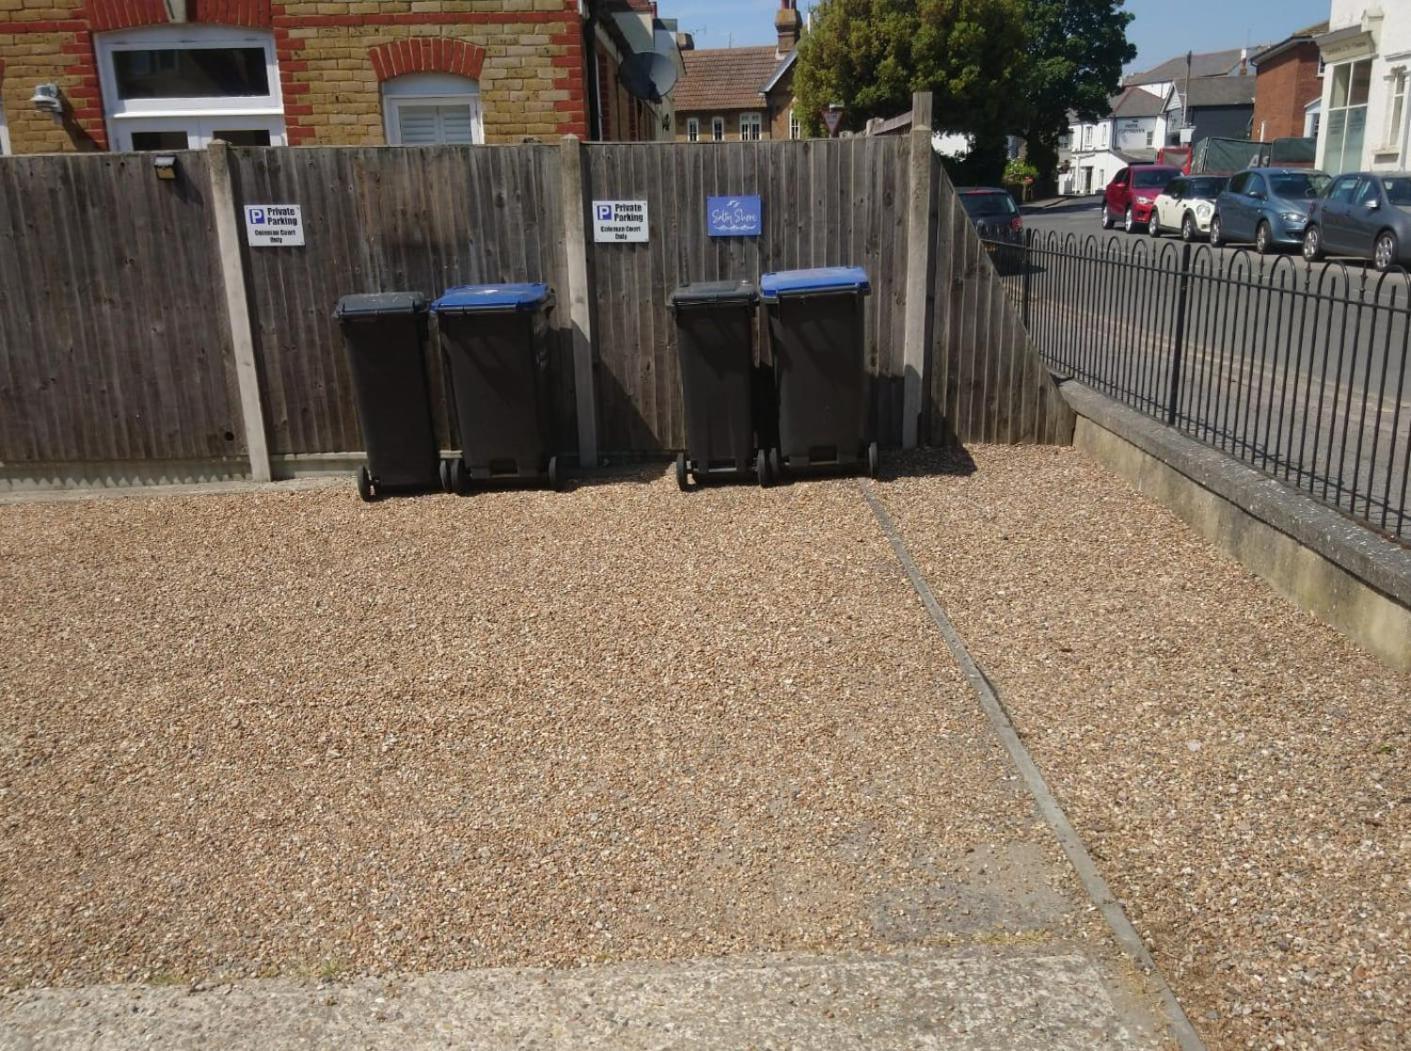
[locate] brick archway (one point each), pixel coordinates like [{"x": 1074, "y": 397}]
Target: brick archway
[
  {"x": 105, "y": 15},
  {"x": 427, "y": 55}
]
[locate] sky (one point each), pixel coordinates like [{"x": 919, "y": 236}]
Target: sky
[{"x": 1162, "y": 29}]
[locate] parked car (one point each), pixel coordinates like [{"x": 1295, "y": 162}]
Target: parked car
[
  {"x": 993, "y": 212},
  {"x": 1268, "y": 206},
  {"x": 1132, "y": 192},
  {"x": 1366, "y": 214},
  {"x": 1186, "y": 205}
]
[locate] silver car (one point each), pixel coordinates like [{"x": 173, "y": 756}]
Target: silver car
[{"x": 1364, "y": 214}]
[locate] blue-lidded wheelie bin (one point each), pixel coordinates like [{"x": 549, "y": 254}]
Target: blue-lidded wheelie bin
[
  {"x": 715, "y": 350},
  {"x": 495, "y": 339},
  {"x": 820, "y": 363},
  {"x": 385, "y": 337}
]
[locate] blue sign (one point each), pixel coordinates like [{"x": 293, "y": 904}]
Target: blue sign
[{"x": 733, "y": 217}]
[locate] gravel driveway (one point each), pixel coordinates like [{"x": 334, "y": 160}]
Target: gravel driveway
[
  {"x": 285, "y": 733},
  {"x": 1241, "y": 772}
]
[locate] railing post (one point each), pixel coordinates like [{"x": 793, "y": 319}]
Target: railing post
[
  {"x": 1179, "y": 345},
  {"x": 1024, "y": 260},
  {"x": 918, "y": 269}
]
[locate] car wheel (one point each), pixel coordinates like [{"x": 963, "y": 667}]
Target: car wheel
[
  {"x": 1263, "y": 239},
  {"x": 1153, "y": 226},
  {"x": 1215, "y": 231},
  {"x": 1106, "y": 218},
  {"x": 1129, "y": 221},
  {"x": 1384, "y": 251},
  {"x": 1312, "y": 244},
  {"x": 1188, "y": 228}
]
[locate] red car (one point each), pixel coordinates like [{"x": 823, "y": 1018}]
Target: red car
[{"x": 1132, "y": 192}]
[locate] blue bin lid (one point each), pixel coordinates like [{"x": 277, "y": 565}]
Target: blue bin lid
[
  {"x": 468, "y": 298},
  {"x": 815, "y": 281}
]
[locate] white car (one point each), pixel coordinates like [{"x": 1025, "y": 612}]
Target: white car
[{"x": 1186, "y": 205}]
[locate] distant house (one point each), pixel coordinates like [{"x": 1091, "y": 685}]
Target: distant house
[
  {"x": 1289, "y": 79},
  {"x": 741, "y": 93},
  {"x": 1366, "y": 117}
]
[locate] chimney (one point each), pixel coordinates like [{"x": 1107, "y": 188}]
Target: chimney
[
  {"x": 787, "y": 23},
  {"x": 1244, "y": 61}
]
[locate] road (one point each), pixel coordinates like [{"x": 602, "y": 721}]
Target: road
[{"x": 1302, "y": 371}]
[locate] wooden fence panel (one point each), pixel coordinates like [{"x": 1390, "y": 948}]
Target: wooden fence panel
[
  {"x": 114, "y": 345},
  {"x": 826, "y": 203},
  {"x": 390, "y": 219}
]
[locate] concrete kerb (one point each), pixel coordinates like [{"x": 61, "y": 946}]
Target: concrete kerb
[{"x": 1327, "y": 564}]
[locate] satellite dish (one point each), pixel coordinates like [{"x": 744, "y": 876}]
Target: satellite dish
[{"x": 648, "y": 75}]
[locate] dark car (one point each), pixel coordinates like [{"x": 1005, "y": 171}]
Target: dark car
[
  {"x": 1366, "y": 214},
  {"x": 1268, "y": 206},
  {"x": 993, "y": 212},
  {"x": 1131, "y": 193}
]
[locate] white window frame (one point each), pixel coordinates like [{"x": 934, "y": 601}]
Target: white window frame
[
  {"x": 1396, "y": 119},
  {"x": 192, "y": 115},
  {"x": 717, "y": 129},
  {"x": 693, "y": 129},
  {"x": 795, "y": 127},
  {"x": 755, "y": 123},
  {"x": 433, "y": 89}
]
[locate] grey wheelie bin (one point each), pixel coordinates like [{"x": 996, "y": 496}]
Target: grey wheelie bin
[
  {"x": 495, "y": 342},
  {"x": 385, "y": 337},
  {"x": 817, "y": 336},
  {"x": 715, "y": 347}
]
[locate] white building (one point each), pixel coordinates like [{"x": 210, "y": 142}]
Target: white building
[
  {"x": 1129, "y": 134},
  {"x": 1365, "y": 119}
]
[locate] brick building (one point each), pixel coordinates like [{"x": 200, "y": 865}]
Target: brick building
[
  {"x": 169, "y": 74},
  {"x": 1289, "y": 86},
  {"x": 741, "y": 93}
]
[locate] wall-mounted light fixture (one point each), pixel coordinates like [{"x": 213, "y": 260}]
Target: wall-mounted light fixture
[
  {"x": 47, "y": 99},
  {"x": 164, "y": 164}
]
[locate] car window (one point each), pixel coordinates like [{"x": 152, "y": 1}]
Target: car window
[
  {"x": 1208, "y": 188},
  {"x": 1237, "y": 183},
  {"x": 1368, "y": 191},
  {"x": 1152, "y": 178},
  {"x": 1176, "y": 188},
  {"x": 1120, "y": 179},
  {"x": 1253, "y": 184},
  {"x": 1341, "y": 190},
  {"x": 988, "y": 204},
  {"x": 1299, "y": 184},
  {"x": 1398, "y": 190}
]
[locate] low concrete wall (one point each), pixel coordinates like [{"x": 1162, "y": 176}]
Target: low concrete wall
[{"x": 1341, "y": 572}]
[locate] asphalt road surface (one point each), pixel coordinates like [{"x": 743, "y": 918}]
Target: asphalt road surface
[{"x": 1302, "y": 371}]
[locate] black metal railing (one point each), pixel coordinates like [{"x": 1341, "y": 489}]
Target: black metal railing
[{"x": 1297, "y": 369}]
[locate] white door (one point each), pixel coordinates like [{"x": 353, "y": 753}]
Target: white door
[{"x": 196, "y": 133}]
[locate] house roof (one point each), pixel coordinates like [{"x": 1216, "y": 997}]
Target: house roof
[
  {"x": 725, "y": 78},
  {"x": 780, "y": 69},
  {"x": 1298, "y": 36},
  {"x": 1205, "y": 64},
  {"x": 1137, "y": 102},
  {"x": 1221, "y": 91}
]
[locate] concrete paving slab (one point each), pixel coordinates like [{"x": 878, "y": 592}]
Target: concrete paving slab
[{"x": 961, "y": 1002}]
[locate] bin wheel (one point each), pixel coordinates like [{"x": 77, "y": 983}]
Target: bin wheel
[
  {"x": 445, "y": 470},
  {"x": 681, "y": 472},
  {"x": 874, "y": 461},
  {"x": 365, "y": 487},
  {"x": 554, "y": 478},
  {"x": 761, "y": 468},
  {"x": 776, "y": 469},
  {"x": 460, "y": 481}
]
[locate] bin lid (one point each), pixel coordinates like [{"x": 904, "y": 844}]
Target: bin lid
[
  {"x": 465, "y": 299},
  {"x": 380, "y": 304},
  {"x": 714, "y": 293},
  {"x": 815, "y": 281}
]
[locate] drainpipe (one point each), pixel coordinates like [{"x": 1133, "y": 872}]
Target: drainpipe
[{"x": 593, "y": 84}]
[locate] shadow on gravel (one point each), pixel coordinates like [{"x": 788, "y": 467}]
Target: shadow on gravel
[{"x": 952, "y": 460}]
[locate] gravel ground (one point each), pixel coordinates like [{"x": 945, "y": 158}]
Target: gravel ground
[
  {"x": 1241, "y": 772},
  {"x": 285, "y": 733}
]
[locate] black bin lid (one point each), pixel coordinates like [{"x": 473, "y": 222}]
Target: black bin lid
[
  {"x": 380, "y": 304},
  {"x": 714, "y": 294}
]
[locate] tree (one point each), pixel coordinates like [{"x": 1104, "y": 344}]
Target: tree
[
  {"x": 870, "y": 55},
  {"x": 1075, "y": 53}
]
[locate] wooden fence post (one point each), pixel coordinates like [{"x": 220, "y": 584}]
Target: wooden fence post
[
  {"x": 918, "y": 268},
  {"x": 237, "y": 308},
  {"x": 580, "y": 313}
]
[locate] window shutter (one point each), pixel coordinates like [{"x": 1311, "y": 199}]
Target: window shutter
[{"x": 418, "y": 125}]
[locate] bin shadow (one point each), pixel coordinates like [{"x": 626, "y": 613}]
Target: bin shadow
[{"x": 952, "y": 460}]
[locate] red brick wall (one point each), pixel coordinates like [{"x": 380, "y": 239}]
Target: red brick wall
[{"x": 1285, "y": 85}]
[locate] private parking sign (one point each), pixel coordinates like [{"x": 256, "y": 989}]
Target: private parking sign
[
  {"x": 620, "y": 221},
  {"x": 274, "y": 225}
]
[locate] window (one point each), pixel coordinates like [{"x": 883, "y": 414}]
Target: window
[
  {"x": 1150, "y": 134},
  {"x": 1398, "y": 190},
  {"x": 717, "y": 129},
  {"x": 693, "y": 129},
  {"x": 749, "y": 127},
  {"x": 1367, "y": 192},
  {"x": 1253, "y": 185},
  {"x": 1237, "y": 184},
  {"x": 1342, "y": 189},
  {"x": 795, "y": 128},
  {"x": 430, "y": 109},
  {"x": 183, "y": 86},
  {"x": 1397, "y": 109},
  {"x": 1347, "y": 115}
]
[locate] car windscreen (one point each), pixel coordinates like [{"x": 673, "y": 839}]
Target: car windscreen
[
  {"x": 1297, "y": 185},
  {"x": 988, "y": 205},
  {"x": 1152, "y": 178},
  {"x": 1398, "y": 190},
  {"x": 1207, "y": 188}
]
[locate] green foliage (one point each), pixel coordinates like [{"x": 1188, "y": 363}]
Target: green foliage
[{"x": 1019, "y": 169}]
